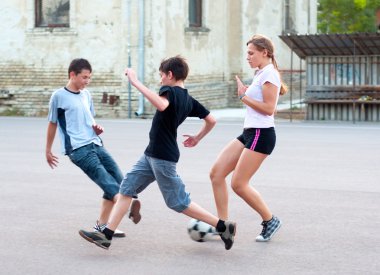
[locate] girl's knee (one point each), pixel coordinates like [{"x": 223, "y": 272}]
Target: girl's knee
[
  {"x": 212, "y": 174},
  {"x": 215, "y": 177},
  {"x": 238, "y": 187}
]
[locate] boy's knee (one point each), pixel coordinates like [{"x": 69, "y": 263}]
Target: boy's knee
[
  {"x": 178, "y": 203},
  {"x": 110, "y": 193},
  {"x": 179, "y": 208}
]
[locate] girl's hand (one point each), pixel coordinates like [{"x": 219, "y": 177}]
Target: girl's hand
[{"x": 241, "y": 88}]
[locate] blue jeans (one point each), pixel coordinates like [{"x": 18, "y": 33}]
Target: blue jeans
[
  {"x": 149, "y": 169},
  {"x": 99, "y": 166}
]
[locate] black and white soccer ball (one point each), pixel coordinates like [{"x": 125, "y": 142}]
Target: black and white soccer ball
[{"x": 200, "y": 231}]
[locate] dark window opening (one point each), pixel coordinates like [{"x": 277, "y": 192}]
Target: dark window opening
[
  {"x": 52, "y": 13},
  {"x": 288, "y": 26},
  {"x": 195, "y": 13}
]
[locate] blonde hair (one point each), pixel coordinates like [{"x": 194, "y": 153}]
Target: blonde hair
[{"x": 262, "y": 43}]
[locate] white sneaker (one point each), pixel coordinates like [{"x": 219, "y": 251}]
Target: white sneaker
[{"x": 269, "y": 229}]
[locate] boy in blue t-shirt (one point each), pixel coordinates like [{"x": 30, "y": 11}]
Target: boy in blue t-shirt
[
  {"x": 158, "y": 163},
  {"x": 72, "y": 110}
]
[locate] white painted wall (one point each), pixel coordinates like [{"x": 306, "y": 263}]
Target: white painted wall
[{"x": 99, "y": 32}]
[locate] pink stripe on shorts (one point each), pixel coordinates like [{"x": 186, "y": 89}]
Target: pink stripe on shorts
[{"x": 255, "y": 139}]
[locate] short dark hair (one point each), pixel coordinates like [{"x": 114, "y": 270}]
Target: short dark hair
[
  {"x": 79, "y": 64},
  {"x": 177, "y": 65}
]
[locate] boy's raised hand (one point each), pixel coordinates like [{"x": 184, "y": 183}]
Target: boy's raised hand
[{"x": 130, "y": 73}]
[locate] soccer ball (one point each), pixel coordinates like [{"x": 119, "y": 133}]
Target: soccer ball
[{"x": 200, "y": 231}]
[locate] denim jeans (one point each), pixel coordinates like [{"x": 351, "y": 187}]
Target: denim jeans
[
  {"x": 149, "y": 169},
  {"x": 99, "y": 166}
]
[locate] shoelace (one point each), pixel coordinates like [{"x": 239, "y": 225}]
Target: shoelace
[
  {"x": 99, "y": 227},
  {"x": 265, "y": 225}
]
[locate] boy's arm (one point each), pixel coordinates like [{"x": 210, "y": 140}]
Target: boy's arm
[
  {"x": 209, "y": 123},
  {"x": 51, "y": 159},
  {"x": 160, "y": 102}
]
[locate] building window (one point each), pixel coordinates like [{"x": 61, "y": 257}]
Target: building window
[
  {"x": 288, "y": 17},
  {"x": 52, "y": 13},
  {"x": 195, "y": 13}
]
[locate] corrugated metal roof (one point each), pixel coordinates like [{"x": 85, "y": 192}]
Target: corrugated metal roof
[{"x": 333, "y": 44}]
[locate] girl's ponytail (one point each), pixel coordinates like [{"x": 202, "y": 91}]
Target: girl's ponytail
[{"x": 284, "y": 88}]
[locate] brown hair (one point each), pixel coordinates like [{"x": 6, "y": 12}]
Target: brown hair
[
  {"x": 262, "y": 43},
  {"x": 79, "y": 64},
  {"x": 177, "y": 65}
]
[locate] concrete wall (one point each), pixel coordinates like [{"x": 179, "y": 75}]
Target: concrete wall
[{"x": 34, "y": 61}]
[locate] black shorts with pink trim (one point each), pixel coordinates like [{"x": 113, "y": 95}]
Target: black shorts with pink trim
[{"x": 260, "y": 140}]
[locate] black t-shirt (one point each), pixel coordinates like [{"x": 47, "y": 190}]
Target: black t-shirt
[{"x": 163, "y": 133}]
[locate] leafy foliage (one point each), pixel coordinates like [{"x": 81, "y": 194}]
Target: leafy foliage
[{"x": 347, "y": 16}]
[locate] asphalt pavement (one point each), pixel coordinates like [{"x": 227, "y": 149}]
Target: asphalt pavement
[{"x": 322, "y": 181}]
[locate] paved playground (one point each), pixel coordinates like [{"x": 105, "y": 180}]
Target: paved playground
[{"x": 322, "y": 180}]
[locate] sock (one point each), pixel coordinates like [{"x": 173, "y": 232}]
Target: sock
[
  {"x": 220, "y": 226},
  {"x": 108, "y": 232},
  {"x": 269, "y": 220}
]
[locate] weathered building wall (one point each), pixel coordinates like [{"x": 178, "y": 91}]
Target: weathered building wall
[{"x": 34, "y": 61}]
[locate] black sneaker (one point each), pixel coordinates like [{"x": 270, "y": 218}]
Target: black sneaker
[
  {"x": 134, "y": 213},
  {"x": 96, "y": 237},
  {"x": 269, "y": 229},
  {"x": 100, "y": 227},
  {"x": 228, "y": 235}
]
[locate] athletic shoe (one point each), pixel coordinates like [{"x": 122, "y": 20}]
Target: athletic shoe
[
  {"x": 228, "y": 235},
  {"x": 134, "y": 213},
  {"x": 100, "y": 227},
  {"x": 214, "y": 231},
  {"x": 97, "y": 238},
  {"x": 269, "y": 229}
]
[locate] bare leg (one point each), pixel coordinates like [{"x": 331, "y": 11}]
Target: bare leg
[
  {"x": 106, "y": 208},
  {"x": 223, "y": 166},
  {"x": 118, "y": 211},
  {"x": 197, "y": 212},
  {"x": 247, "y": 166}
]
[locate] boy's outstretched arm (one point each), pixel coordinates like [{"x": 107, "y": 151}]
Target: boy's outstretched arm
[
  {"x": 160, "y": 102},
  {"x": 209, "y": 123},
  {"x": 51, "y": 159}
]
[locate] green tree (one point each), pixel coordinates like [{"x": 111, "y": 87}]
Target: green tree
[{"x": 347, "y": 16}]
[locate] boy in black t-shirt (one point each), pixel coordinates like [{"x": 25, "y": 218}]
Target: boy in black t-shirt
[{"x": 158, "y": 163}]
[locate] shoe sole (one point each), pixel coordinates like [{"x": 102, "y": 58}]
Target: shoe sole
[
  {"x": 233, "y": 235},
  {"x": 91, "y": 240},
  {"x": 274, "y": 232},
  {"x": 134, "y": 213},
  {"x": 119, "y": 235}
]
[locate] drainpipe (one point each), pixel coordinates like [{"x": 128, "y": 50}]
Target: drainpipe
[
  {"x": 141, "y": 48},
  {"x": 129, "y": 57}
]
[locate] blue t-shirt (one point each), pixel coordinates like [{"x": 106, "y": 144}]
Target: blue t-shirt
[
  {"x": 74, "y": 113},
  {"x": 163, "y": 133}
]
